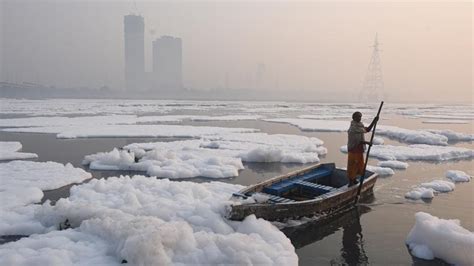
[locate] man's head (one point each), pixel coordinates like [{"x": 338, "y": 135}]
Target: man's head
[{"x": 357, "y": 116}]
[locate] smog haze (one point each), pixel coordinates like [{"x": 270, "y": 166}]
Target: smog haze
[{"x": 275, "y": 47}]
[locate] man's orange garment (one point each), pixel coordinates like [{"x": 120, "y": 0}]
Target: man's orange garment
[
  {"x": 355, "y": 149},
  {"x": 355, "y": 165}
]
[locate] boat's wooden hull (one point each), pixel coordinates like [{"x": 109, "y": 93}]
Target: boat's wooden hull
[{"x": 324, "y": 205}]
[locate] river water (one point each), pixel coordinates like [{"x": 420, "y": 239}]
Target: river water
[{"x": 373, "y": 233}]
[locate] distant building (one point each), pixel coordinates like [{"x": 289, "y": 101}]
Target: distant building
[
  {"x": 167, "y": 63},
  {"x": 134, "y": 37}
]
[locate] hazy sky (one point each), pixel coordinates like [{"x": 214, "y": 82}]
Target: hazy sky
[{"x": 321, "y": 47}]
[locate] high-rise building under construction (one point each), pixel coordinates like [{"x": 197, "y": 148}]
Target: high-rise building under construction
[{"x": 134, "y": 37}]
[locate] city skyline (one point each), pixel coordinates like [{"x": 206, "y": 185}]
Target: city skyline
[
  {"x": 166, "y": 73},
  {"x": 291, "y": 46}
]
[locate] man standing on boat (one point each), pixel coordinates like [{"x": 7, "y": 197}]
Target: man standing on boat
[{"x": 355, "y": 147}]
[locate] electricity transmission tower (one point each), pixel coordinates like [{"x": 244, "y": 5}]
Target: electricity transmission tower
[{"x": 372, "y": 88}]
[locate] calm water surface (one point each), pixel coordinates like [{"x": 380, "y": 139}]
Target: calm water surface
[{"x": 373, "y": 233}]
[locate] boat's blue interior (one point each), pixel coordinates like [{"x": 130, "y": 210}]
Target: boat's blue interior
[{"x": 306, "y": 182}]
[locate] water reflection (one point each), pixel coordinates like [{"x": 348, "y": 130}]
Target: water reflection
[
  {"x": 264, "y": 168},
  {"x": 352, "y": 251}
]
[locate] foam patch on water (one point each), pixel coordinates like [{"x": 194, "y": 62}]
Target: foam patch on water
[
  {"x": 178, "y": 160},
  {"x": 458, "y": 176},
  {"x": 418, "y": 152},
  {"x": 152, "y": 131},
  {"x": 72, "y": 107},
  {"x": 43, "y": 175},
  {"x": 313, "y": 124},
  {"x": 378, "y": 141},
  {"x": 324, "y": 117},
  {"x": 67, "y": 107},
  {"x": 453, "y": 136},
  {"x": 214, "y": 157},
  {"x": 226, "y": 118},
  {"x": 70, "y": 247},
  {"x": 393, "y": 164},
  {"x": 154, "y": 221},
  {"x": 9, "y": 151},
  {"x": 50, "y": 121},
  {"x": 439, "y": 121},
  {"x": 429, "y": 189},
  {"x": 67, "y": 121},
  {"x": 113, "y": 160},
  {"x": 455, "y": 115},
  {"x": 439, "y": 185},
  {"x": 412, "y": 136},
  {"x": 397, "y": 133},
  {"x": 420, "y": 193},
  {"x": 432, "y": 237},
  {"x": 187, "y": 164},
  {"x": 383, "y": 171},
  {"x": 22, "y": 183},
  {"x": 54, "y": 107}
]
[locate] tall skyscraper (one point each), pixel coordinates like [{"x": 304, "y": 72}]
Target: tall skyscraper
[
  {"x": 167, "y": 63},
  {"x": 134, "y": 37}
]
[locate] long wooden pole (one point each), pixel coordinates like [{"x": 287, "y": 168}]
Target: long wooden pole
[{"x": 367, "y": 156}]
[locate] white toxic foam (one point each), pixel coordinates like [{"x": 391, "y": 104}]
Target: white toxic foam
[
  {"x": 456, "y": 115},
  {"x": 397, "y": 133},
  {"x": 9, "y": 151},
  {"x": 324, "y": 117},
  {"x": 113, "y": 160},
  {"x": 213, "y": 156},
  {"x": 52, "y": 121},
  {"x": 187, "y": 164},
  {"x": 432, "y": 237},
  {"x": 458, "y": 176},
  {"x": 20, "y": 220},
  {"x": 378, "y": 141},
  {"x": 439, "y": 121},
  {"x": 182, "y": 159},
  {"x": 439, "y": 185},
  {"x": 69, "y": 247},
  {"x": 412, "y": 136},
  {"x": 154, "y": 221},
  {"x": 453, "y": 136},
  {"x": 67, "y": 121},
  {"x": 383, "y": 171},
  {"x": 393, "y": 164},
  {"x": 177, "y": 131},
  {"x": 420, "y": 193},
  {"x": 313, "y": 125},
  {"x": 225, "y": 117},
  {"x": 22, "y": 183},
  {"x": 418, "y": 152},
  {"x": 52, "y": 107},
  {"x": 160, "y": 119},
  {"x": 43, "y": 175}
]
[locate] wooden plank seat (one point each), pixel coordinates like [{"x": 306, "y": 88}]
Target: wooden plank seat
[
  {"x": 289, "y": 184},
  {"x": 271, "y": 198},
  {"x": 316, "y": 188},
  {"x": 322, "y": 172},
  {"x": 276, "y": 199}
]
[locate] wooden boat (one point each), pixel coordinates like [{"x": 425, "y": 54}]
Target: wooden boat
[{"x": 320, "y": 189}]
